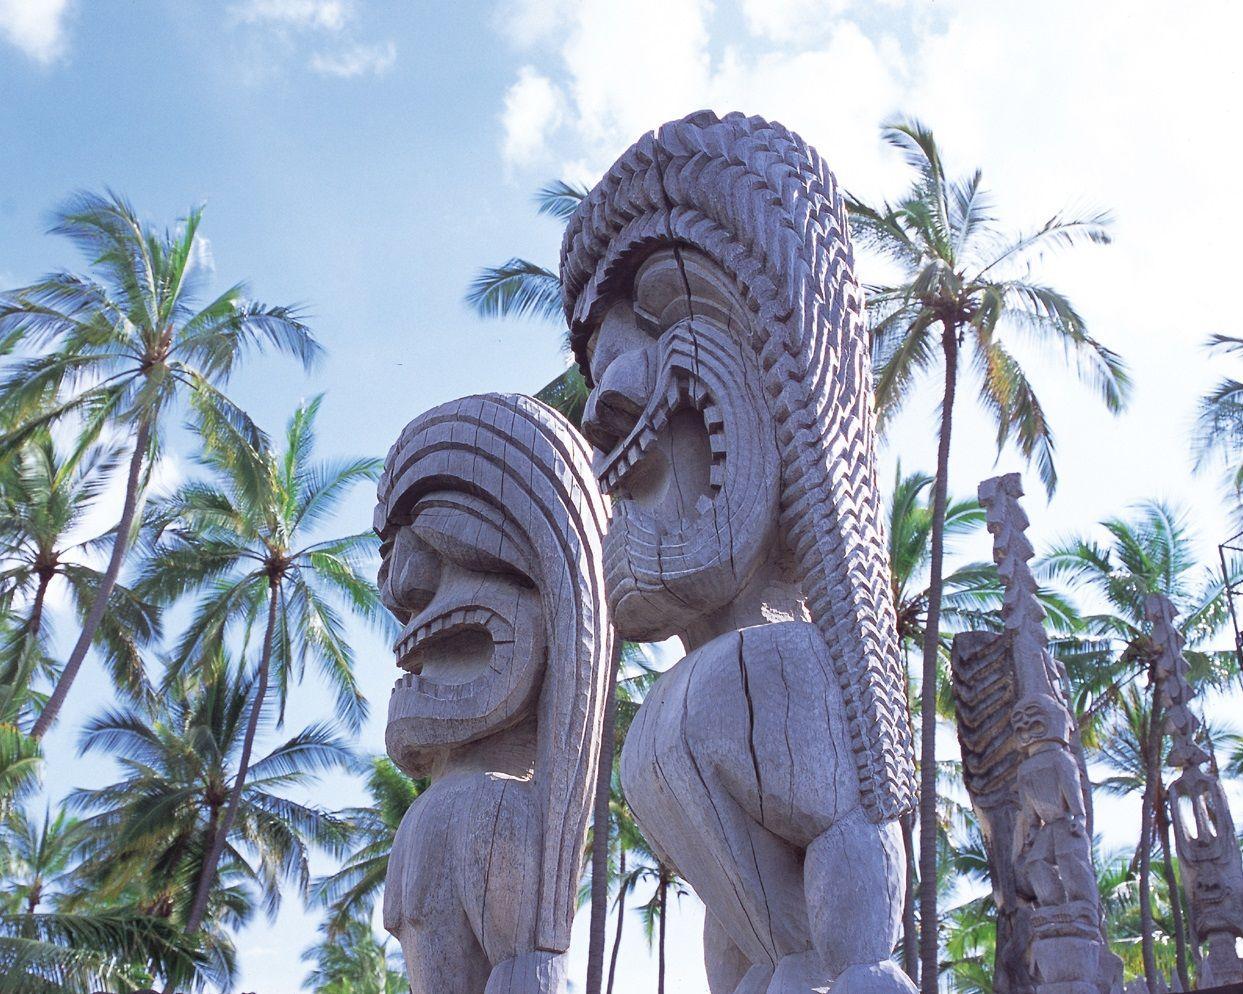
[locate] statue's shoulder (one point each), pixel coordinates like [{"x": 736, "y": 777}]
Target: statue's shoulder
[{"x": 779, "y": 641}]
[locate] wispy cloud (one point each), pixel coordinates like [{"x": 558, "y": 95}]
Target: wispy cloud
[
  {"x": 533, "y": 109},
  {"x": 357, "y": 60},
  {"x": 325, "y": 28},
  {"x": 329, "y": 15},
  {"x": 37, "y": 27}
]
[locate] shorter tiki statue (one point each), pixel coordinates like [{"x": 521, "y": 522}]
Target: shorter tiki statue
[
  {"x": 491, "y": 524},
  {"x": 713, "y": 309}
]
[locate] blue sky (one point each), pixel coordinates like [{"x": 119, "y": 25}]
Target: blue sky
[{"x": 364, "y": 158}]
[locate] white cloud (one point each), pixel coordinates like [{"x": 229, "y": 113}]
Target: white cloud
[
  {"x": 531, "y": 22},
  {"x": 330, "y": 15},
  {"x": 357, "y": 60},
  {"x": 290, "y": 23},
  {"x": 533, "y": 109},
  {"x": 202, "y": 258},
  {"x": 620, "y": 76},
  {"x": 37, "y": 27},
  {"x": 790, "y": 20}
]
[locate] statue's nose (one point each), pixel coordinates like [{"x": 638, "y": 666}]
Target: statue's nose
[{"x": 618, "y": 400}]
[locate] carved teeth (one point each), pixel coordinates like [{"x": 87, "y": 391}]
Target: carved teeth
[{"x": 449, "y": 622}]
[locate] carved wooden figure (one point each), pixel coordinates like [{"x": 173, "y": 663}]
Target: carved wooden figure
[
  {"x": 1024, "y": 771},
  {"x": 1208, "y": 851},
  {"x": 713, "y": 308},
  {"x": 491, "y": 525}
]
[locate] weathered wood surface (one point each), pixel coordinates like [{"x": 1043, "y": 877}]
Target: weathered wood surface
[
  {"x": 1208, "y": 851},
  {"x": 709, "y": 287},
  {"x": 1024, "y": 770},
  {"x": 491, "y": 525}
]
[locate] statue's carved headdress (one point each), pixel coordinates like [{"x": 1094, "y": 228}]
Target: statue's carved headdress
[
  {"x": 758, "y": 201},
  {"x": 542, "y": 513}
]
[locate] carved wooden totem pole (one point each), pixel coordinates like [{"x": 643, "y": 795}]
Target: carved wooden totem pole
[
  {"x": 713, "y": 308},
  {"x": 1208, "y": 850},
  {"x": 491, "y": 524},
  {"x": 1024, "y": 772}
]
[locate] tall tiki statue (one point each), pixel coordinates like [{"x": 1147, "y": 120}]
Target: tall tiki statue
[
  {"x": 491, "y": 523},
  {"x": 713, "y": 309}
]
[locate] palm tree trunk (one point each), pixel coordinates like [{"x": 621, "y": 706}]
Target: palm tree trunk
[
  {"x": 928, "y": 688},
  {"x": 600, "y": 832},
  {"x": 199, "y": 909},
  {"x": 36, "y": 608},
  {"x": 621, "y": 915},
  {"x": 1153, "y": 762},
  {"x": 1176, "y": 904},
  {"x": 664, "y": 909},
  {"x": 910, "y": 936},
  {"x": 120, "y": 545}
]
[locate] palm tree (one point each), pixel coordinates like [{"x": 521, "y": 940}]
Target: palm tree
[
  {"x": 1133, "y": 751},
  {"x": 1149, "y": 551},
  {"x": 123, "y": 347},
  {"x": 910, "y": 525},
  {"x": 241, "y": 539},
  {"x": 150, "y": 836},
  {"x": 521, "y": 288},
  {"x": 351, "y": 891},
  {"x": 21, "y": 760},
  {"x": 351, "y": 960},
  {"x": 35, "y": 858},
  {"x": 42, "y": 506},
  {"x": 63, "y": 953},
  {"x": 964, "y": 284},
  {"x": 1219, "y": 421}
]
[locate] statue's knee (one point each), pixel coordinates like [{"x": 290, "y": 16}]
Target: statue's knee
[
  {"x": 883, "y": 977},
  {"x": 855, "y": 879},
  {"x": 529, "y": 973}
]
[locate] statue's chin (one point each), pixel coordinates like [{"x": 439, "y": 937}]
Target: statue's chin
[
  {"x": 413, "y": 759},
  {"x": 634, "y": 618}
]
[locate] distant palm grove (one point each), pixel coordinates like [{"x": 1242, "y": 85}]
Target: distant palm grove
[{"x": 205, "y": 603}]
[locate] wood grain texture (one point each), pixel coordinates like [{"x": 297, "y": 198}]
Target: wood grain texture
[
  {"x": 491, "y": 525},
  {"x": 1025, "y": 773},
  {"x": 709, "y": 286}
]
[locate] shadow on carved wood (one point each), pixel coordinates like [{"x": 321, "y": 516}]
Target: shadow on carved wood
[
  {"x": 491, "y": 525},
  {"x": 713, "y": 308}
]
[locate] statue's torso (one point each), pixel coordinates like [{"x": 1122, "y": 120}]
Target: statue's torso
[{"x": 762, "y": 708}]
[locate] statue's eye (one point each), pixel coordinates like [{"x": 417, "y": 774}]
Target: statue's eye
[{"x": 409, "y": 576}]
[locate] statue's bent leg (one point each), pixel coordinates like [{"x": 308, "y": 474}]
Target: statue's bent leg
[
  {"x": 749, "y": 878},
  {"x": 855, "y": 874},
  {"x": 528, "y": 973},
  {"x": 422, "y": 906},
  {"x": 442, "y": 956},
  {"x": 499, "y": 882},
  {"x": 724, "y": 962}
]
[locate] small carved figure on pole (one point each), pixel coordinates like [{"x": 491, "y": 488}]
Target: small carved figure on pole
[
  {"x": 1023, "y": 766},
  {"x": 1204, "y": 836}
]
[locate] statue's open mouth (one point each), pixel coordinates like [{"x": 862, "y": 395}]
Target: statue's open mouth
[
  {"x": 672, "y": 463},
  {"x": 451, "y": 647}
]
